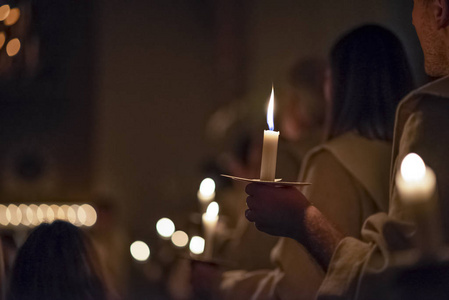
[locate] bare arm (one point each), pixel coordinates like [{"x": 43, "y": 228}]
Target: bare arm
[{"x": 284, "y": 211}]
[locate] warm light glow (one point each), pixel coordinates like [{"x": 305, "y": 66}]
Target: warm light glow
[
  {"x": 140, "y": 251},
  {"x": 212, "y": 210},
  {"x": 25, "y": 216},
  {"x": 82, "y": 217},
  {"x": 270, "y": 112},
  {"x": 55, "y": 209},
  {"x": 207, "y": 190},
  {"x": 32, "y": 214},
  {"x": 2, "y": 39},
  {"x": 42, "y": 213},
  {"x": 413, "y": 168},
  {"x": 13, "y": 17},
  {"x": 3, "y": 220},
  {"x": 91, "y": 215},
  {"x": 196, "y": 245},
  {"x": 50, "y": 214},
  {"x": 70, "y": 214},
  {"x": 165, "y": 227},
  {"x": 180, "y": 238},
  {"x": 60, "y": 215},
  {"x": 13, "y": 215},
  {"x": 4, "y": 12},
  {"x": 13, "y": 47}
]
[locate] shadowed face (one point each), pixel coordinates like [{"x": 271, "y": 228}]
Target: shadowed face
[{"x": 432, "y": 39}]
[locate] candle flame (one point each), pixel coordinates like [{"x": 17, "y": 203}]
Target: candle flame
[
  {"x": 413, "y": 168},
  {"x": 270, "y": 111},
  {"x": 212, "y": 210}
]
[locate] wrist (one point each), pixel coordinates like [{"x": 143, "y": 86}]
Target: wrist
[{"x": 318, "y": 235}]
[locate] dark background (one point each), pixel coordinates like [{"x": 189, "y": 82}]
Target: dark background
[{"x": 122, "y": 92}]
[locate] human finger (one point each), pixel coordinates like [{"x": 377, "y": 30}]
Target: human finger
[
  {"x": 250, "y": 216},
  {"x": 251, "y": 189},
  {"x": 251, "y": 202}
]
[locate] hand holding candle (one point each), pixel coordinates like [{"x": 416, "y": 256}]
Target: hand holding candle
[{"x": 270, "y": 145}]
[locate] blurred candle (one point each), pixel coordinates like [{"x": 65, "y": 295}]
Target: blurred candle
[
  {"x": 270, "y": 145},
  {"x": 210, "y": 219},
  {"x": 206, "y": 193},
  {"x": 196, "y": 245},
  {"x": 416, "y": 184}
]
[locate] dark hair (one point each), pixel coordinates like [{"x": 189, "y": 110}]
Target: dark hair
[
  {"x": 370, "y": 74},
  {"x": 57, "y": 261}
]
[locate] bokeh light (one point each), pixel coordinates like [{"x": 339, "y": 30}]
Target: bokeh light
[
  {"x": 13, "y": 214},
  {"x": 212, "y": 210},
  {"x": 413, "y": 168},
  {"x": 25, "y": 216},
  {"x": 13, "y": 47},
  {"x": 207, "y": 189},
  {"x": 3, "y": 220},
  {"x": 70, "y": 214},
  {"x": 4, "y": 11},
  {"x": 13, "y": 17},
  {"x": 32, "y": 214},
  {"x": 196, "y": 245},
  {"x": 91, "y": 215},
  {"x": 82, "y": 217},
  {"x": 60, "y": 215},
  {"x": 180, "y": 239},
  {"x": 165, "y": 227},
  {"x": 42, "y": 213},
  {"x": 2, "y": 39},
  {"x": 140, "y": 251}
]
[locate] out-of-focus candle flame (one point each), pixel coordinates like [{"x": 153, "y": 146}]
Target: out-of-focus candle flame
[
  {"x": 207, "y": 190},
  {"x": 413, "y": 168},
  {"x": 212, "y": 210},
  {"x": 196, "y": 245},
  {"x": 270, "y": 112},
  {"x": 140, "y": 251},
  {"x": 165, "y": 227}
]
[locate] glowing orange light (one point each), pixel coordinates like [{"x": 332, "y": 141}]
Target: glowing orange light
[
  {"x": 4, "y": 12},
  {"x": 13, "y": 17},
  {"x": 13, "y": 47},
  {"x": 2, "y": 39}
]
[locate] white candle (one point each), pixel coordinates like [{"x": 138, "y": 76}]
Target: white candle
[
  {"x": 210, "y": 219},
  {"x": 206, "y": 193},
  {"x": 416, "y": 187},
  {"x": 270, "y": 145}
]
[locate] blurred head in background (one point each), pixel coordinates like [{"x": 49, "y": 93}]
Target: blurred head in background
[
  {"x": 369, "y": 74},
  {"x": 57, "y": 261},
  {"x": 304, "y": 107}
]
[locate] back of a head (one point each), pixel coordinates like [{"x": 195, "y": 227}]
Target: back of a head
[
  {"x": 370, "y": 74},
  {"x": 56, "y": 262}
]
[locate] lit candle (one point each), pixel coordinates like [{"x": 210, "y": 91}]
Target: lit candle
[
  {"x": 210, "y": 219},
  {"x": 270, "y": 145},
  {"x": 206, "y": 193},
  {"x": 416, "y": 187}
]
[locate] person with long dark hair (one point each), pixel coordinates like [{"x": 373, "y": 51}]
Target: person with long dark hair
[
  {"x": 356, "y": 267},
  {"x": 368, "y": 75},
  {"x": 56, "y": 262}
]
